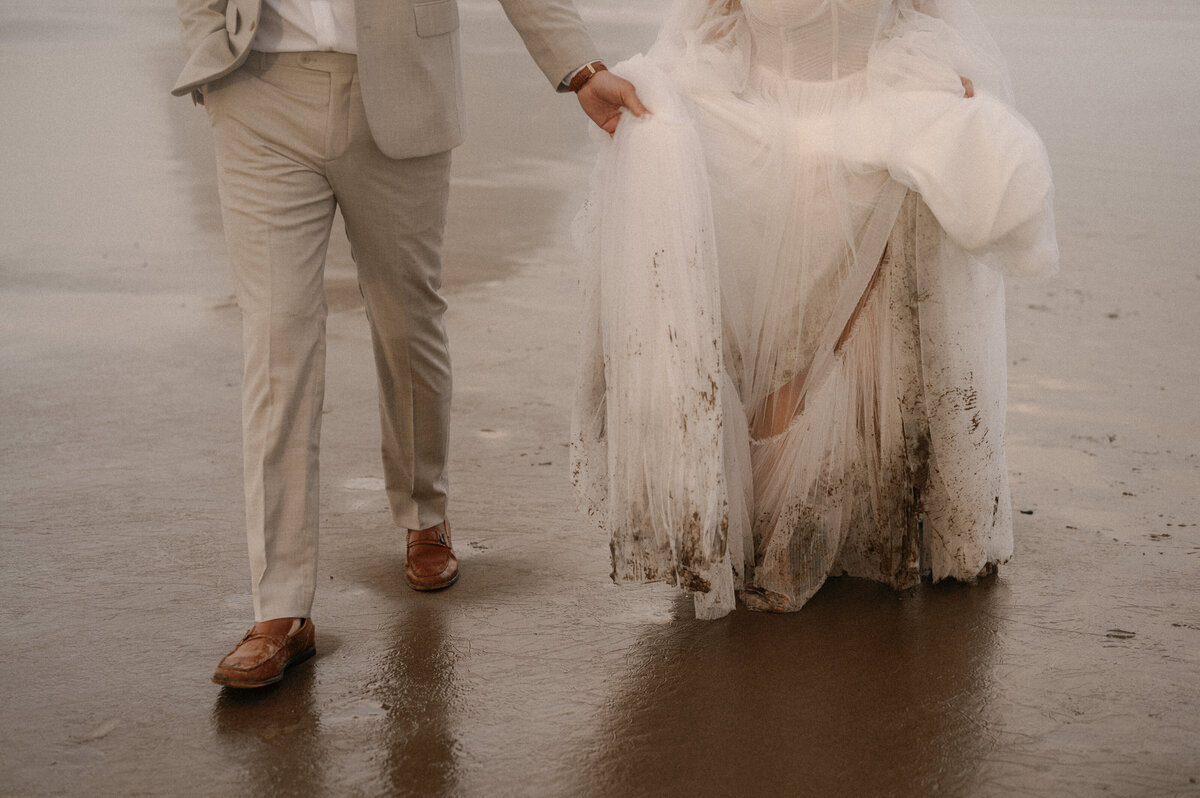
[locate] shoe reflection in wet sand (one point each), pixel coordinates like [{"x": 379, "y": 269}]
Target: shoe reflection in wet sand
[
  {"x": 416, "y": 685},
  {"x": 397, "y": 740},
  {"x": 273, "y": 734},
  {"x": 863, "y": 693}
]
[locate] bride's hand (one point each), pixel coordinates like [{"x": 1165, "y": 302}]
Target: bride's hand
[
  {"x": 968, "y": 86},
  {"x": 603, "y": 97}
]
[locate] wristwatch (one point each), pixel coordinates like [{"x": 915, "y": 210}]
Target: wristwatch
[{"x": 585, "y": 74}]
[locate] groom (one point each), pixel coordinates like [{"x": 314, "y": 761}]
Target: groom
[{"x": 317, "y": 104}]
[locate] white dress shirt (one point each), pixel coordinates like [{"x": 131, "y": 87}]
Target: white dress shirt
[{"x": 294, "y": 26}]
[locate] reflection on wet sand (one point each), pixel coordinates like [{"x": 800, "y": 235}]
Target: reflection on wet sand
[
  {"x": 416, "y": 685},
  {"x": 397, "y": 728},
  {"x": 862, "y": 693},
  {"x": 273, "y": 735}
]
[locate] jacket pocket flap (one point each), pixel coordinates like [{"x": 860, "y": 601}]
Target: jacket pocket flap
[{"x": 436, "y": 18}]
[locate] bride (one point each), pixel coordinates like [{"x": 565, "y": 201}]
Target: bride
[{"x": 792, "y": 361}]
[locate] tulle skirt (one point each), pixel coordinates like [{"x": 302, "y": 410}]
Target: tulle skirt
[{"x": 792, "y": 355}]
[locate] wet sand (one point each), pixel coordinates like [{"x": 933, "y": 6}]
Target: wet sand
[{"x": 1076, "y": 671}]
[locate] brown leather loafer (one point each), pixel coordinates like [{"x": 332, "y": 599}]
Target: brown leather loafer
[
  {"x": 260, "y": 659},
  {"x": 431, "y": 564}
]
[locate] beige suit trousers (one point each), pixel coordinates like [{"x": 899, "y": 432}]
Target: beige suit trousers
[{"x": 292, "y": 144}]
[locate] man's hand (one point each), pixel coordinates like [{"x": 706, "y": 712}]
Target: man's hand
[{"x": 603, "y": 97}]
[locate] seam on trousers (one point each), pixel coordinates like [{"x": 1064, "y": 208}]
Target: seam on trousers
[{"x": 271, "y": 410}]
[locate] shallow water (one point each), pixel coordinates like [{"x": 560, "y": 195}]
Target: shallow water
[{"x": 122, "y": 564}]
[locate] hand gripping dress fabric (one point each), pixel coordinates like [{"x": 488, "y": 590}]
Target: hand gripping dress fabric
[{"x": 792, "y": 358}]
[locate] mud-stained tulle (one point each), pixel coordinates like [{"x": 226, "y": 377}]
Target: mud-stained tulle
[
  {"x": 792, "y": 360},
  {"x": 656, "y": 430}
]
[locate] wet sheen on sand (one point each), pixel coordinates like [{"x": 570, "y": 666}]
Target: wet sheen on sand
[{"x": 122, "y": 560}]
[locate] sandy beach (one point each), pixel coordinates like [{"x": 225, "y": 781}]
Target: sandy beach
[{"x": 123, "y": 574}]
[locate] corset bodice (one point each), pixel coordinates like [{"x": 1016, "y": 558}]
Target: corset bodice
[{"x": 813, "y": 39}]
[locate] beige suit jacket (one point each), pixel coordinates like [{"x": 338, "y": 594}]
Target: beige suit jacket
[{"x": 408, "y": 59}]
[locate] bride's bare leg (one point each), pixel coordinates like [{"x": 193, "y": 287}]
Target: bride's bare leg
[
  {"x": 787, "y": 402},
  {"x": 779, "y": 409},
  {"x": 867, "y": 295}
]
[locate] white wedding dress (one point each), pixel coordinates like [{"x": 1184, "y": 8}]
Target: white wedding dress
[{"x": 792, "y": 359}]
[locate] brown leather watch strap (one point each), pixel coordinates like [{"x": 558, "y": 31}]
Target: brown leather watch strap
[{"x": 584, "y": 75}]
